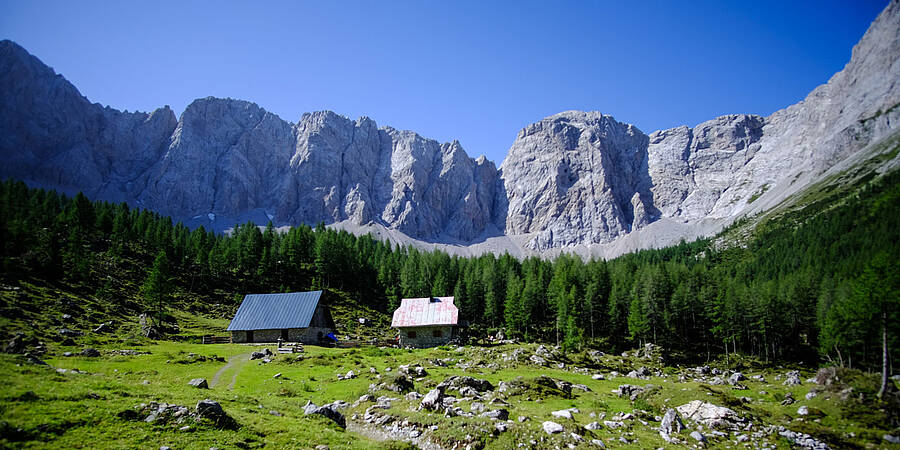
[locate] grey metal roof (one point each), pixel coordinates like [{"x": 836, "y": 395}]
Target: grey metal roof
[{"x": 275, "y": 311}]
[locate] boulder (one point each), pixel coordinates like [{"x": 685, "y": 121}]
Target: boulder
[
  {"x": 593, "y": 426},
  {"x": 711, "y": 415},
  {"x": 552, "y": 427},
  {"x": 457, "y": 383},
  {"x": 199, "y": 383},
  {"x": 400, "y": 383},
  {"x": 16, "y": 344},
  {"x": 629, "y": 390},
  {"x": 736, "y": 377},
  {"x": 329, "y": 411},
  {"x": 563, "y": 414},
  {"x": 209, "y": 409},
  {"x": 148, "y": 329},
  {"x": 90, "y": 352},
  {"x": 433, "y": 400},
  {"x": 671, "y": 423}
]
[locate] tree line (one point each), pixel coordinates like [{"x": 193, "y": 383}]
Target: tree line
[{"x": 817, "y": 282}]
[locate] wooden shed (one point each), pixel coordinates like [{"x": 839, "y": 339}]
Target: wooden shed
[
  {"x": 426, "y": 322},
  {"x": 291, "y": 317}
]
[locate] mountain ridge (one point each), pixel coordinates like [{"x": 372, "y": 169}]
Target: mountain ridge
[{"x": 573, "y": 180}]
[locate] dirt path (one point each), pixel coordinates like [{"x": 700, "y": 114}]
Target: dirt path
[{"x": 235, "y": 362}]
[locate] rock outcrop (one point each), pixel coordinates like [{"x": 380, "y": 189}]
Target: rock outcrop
[{"x": 576, "y": 179}]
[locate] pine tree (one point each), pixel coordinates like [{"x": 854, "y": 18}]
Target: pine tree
[{"x": 158, "y": 286}]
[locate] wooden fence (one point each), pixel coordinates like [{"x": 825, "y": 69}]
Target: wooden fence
[{"x": 216, "y": 339}]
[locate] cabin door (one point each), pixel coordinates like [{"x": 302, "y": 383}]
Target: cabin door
[
  {"x": 284, "y": 335},
  {"x": 250, "y": 336}
]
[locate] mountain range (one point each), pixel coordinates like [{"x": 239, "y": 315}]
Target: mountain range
[{"x": 575, "y": 181}]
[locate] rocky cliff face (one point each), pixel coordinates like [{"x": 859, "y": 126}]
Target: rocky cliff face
[
  {"x": 572, "y": 179},
  {"x": 226, "y": 160},
  {"x": 583, "y": 178}
]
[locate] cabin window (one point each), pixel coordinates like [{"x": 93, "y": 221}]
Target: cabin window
[
  {"x": 411, "y": 334},
  {"x": 437, "y": 333}
]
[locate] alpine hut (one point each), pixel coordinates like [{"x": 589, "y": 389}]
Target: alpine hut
[
  {"x": 426, "y": 322},
  {"x": 291, "y": 317}
]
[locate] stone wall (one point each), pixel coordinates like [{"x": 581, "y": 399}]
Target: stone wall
[
  {"x": 305, "y": 335},
  {"x": 425, "y": 336}
]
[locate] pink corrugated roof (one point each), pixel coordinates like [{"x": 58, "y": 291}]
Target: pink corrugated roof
[{"x": 417, "y": 312}]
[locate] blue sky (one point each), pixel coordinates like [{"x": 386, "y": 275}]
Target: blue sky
[{"x": 476, "y": 71}]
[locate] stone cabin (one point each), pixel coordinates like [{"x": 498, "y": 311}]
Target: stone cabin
[
  {"x": 426, "y": 322},
  {"x": 291, "y": 317}
]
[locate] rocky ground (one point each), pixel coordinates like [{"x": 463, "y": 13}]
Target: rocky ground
[{"x": 501, "y": 396}]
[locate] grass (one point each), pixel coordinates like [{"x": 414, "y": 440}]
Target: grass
[{"x": 44, "y": 408}]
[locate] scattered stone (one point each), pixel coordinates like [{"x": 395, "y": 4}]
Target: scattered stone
[
  {"x": 788, "y": 399},
  {"x": 90, "y": 352},
  {"x": 523, "y": 419},
  {"x": 598, "y": 376},
  {"x": 803, "y": 411},
  {"x": 66, "y": 332},
  {"x": 581, "y": 387},
  {"x": 811, "y": 395},
  {"x": 793, "y": 379},
  {"x": 416, "y": 371},
  {"x": 611, "y": 424},
  {"x": 501, "y": 427},
  {"x": 552, "y": 427},
  {"x": 400, "y": 383},
  {"x": 593, "y": 426},
  {"x": 496, "y": 414},
  {"x": 802, "y": 439},
  {"x": 34, "y": 360},
  {"x": 261, "y": 354},
  {"x": 892, "y": 439},
  {"x": 563, "y": 414},
  {"x": 699, "y": 437},
  {"x": 275, "y": 413},
  {"x": 105, "y": 327},
  {"x": 199, "y": 383}
]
